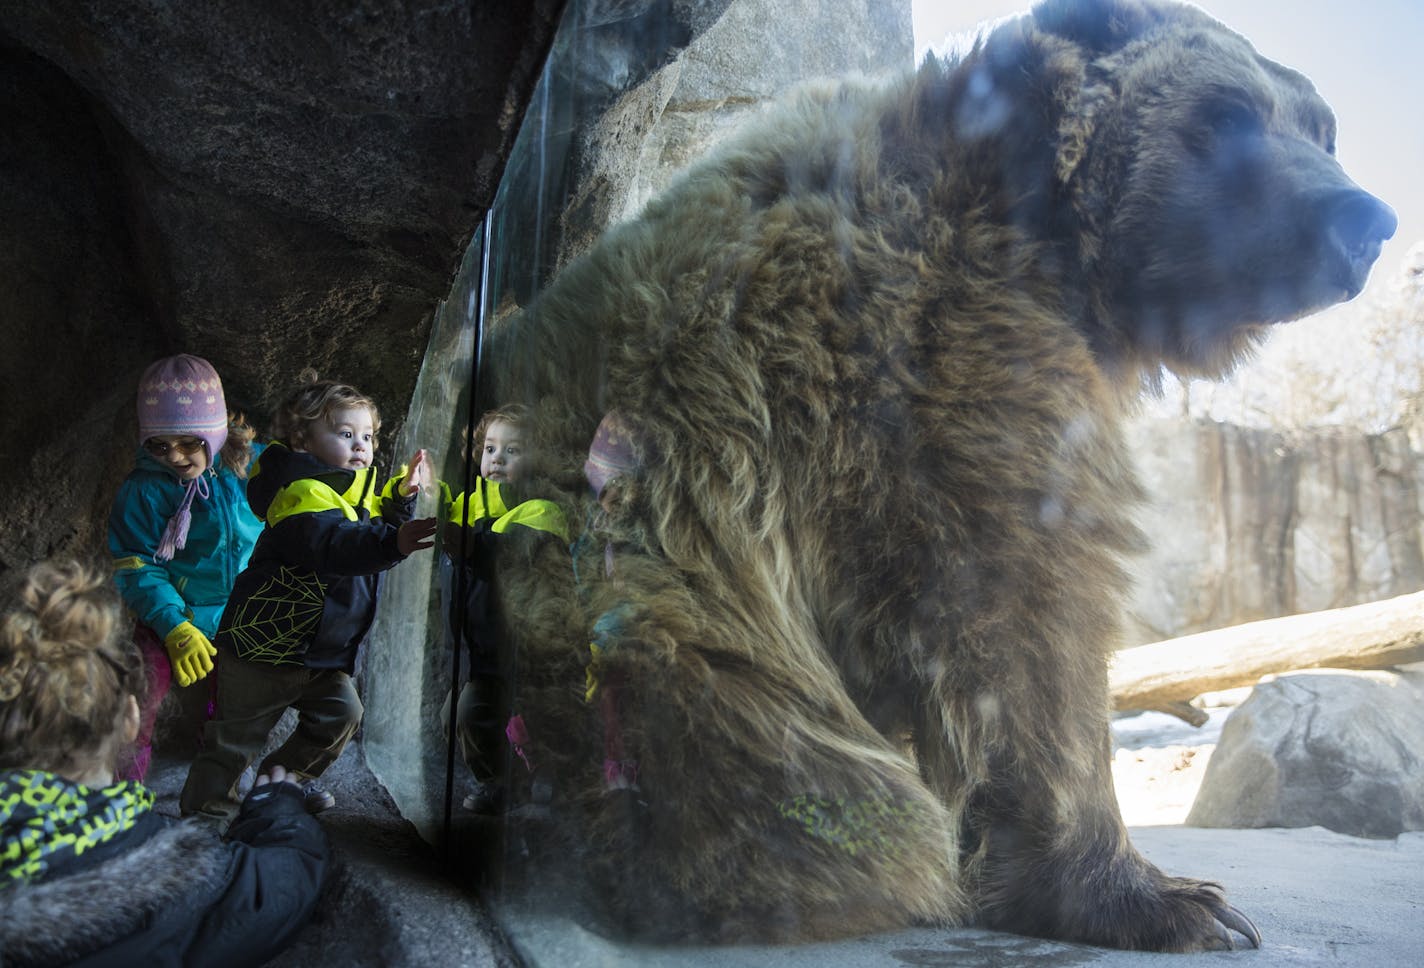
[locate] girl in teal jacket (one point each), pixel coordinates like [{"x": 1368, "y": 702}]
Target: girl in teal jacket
[{"x": 181, "y": 529}]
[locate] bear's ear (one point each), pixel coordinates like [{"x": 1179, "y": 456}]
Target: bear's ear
[{"x": 1098, "y": 26}]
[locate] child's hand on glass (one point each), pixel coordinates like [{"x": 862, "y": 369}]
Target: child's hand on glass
[
  {"x": 418, "y": 475},
  {"x": 415, "y": 535}
]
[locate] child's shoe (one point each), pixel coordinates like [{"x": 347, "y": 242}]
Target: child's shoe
[
  {"x": 534, "y": 798},
  {"x": 315, "y": 799},
  {"x": 627, "y": 808},
  {"x": 486, "y": 799}
]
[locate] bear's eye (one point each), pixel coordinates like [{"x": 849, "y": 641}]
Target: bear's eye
[
  {"x": 1221, "y": 123},
  {"x": 1231, "y": 119}
]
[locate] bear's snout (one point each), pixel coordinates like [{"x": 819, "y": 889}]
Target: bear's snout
[{"x": 1358, "y": 224}]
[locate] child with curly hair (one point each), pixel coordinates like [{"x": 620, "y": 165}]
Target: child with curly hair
[
  {"x": 300, "y": 612},
  {"x": 88, "y": 870}
]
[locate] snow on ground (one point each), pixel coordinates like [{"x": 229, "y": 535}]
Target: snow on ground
[{"x": 1159, "y": 760}]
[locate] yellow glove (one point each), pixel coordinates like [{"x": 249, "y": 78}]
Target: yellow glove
[
  {"x": 189, "y": 652},
  {"x": 590, "y": 674}
]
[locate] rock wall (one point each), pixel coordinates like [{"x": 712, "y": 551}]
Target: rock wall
[
  {"x": 610, "y": 138},
  {"x": 754, "y": 52},
  {"x": 1250, "y": 524}
]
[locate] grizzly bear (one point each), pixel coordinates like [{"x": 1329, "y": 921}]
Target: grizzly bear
[{"x": 859, "y": 583}]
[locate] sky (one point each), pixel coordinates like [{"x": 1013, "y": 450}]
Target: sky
[{"x": 1365, "y": 57}]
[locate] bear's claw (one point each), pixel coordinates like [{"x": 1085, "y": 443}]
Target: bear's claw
[{"x": 1229, "y": 919}]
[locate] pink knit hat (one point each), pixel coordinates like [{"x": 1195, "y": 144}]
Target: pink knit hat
[
  {"x": 617, "y": 449},
  {"x": 182, "y": 395}
]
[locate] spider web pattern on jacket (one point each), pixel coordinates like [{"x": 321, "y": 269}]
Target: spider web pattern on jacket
[{"x": 275, "y": 624}]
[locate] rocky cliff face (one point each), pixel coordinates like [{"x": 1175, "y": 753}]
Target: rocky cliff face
[
  {"x": 633, "y": 100},
  {"x": 755, "y": 52},
  {"x": 1251, "y": 524}
]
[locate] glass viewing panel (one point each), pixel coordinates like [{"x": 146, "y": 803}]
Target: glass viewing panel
[
  {"x": 577, "y": 607},
  {"x": 500, "y": 778}
]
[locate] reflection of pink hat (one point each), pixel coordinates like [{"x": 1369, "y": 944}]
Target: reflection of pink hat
[
  {"x": 182, "y": 395},
  {"x": 616, "y": 450}
]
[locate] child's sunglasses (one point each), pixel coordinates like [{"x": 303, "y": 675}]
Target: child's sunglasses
[{"x": 183, "y": 445}]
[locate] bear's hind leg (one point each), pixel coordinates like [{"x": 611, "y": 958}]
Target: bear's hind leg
[{"x": 774, "y": 812}]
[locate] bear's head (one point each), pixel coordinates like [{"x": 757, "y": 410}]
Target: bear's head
[{"x": 1194, "y": 188}]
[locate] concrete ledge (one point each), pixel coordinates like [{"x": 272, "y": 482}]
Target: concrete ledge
[{"x": 1317, "y": 897}]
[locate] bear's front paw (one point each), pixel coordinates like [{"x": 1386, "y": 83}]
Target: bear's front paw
[
  {"x": 1193, "y": 915},
  {"x": 1227, "y": 919},
  {"x": 1130, "y": 905}
]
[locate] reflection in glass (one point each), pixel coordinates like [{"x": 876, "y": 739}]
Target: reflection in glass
[{"x": 552, "y": 627}]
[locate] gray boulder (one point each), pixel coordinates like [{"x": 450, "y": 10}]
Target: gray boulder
[{"x": 1331, "y": 748}]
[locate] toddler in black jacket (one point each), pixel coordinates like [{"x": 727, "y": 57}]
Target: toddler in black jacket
[{"x": 300, "y": 611}]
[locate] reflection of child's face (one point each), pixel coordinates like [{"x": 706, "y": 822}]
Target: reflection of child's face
[
  {"x": 608, "y": 497},
  {"x": 502, "y": 458}
]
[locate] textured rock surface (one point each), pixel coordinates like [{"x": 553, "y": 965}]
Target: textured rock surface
[
  {"x": 756, "y": 51},
  {"x": 1248, "y": 524},
  {"x": 1328, "y": 748},
  {"x": 634, "y": 99},
  {"x": 276, "y": 190}
]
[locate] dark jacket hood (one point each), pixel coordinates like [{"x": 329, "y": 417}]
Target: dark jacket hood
[{"x": 279, "y": 466}]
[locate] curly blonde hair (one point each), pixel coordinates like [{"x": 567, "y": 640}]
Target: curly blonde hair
[
  {"x": 515, "y": 414},
  {"x": 316, "y": 399},
  {"x": 236, "y": 452},
  {"x": 65, "y": 667}
]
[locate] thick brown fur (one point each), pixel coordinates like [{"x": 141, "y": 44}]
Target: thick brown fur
[{"x": 881, "y": 343}]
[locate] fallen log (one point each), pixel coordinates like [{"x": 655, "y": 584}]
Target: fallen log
[{"x": 1166, "y": 675}]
